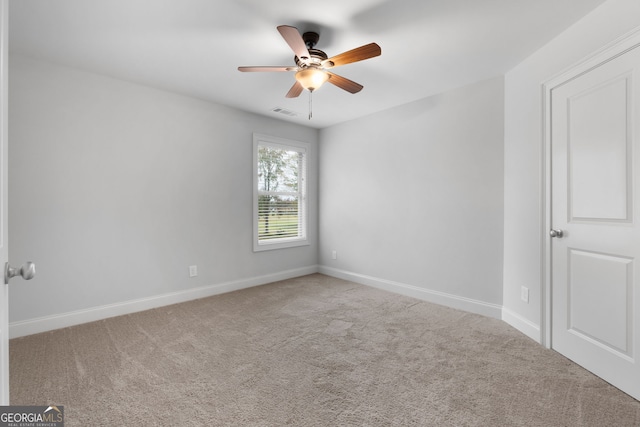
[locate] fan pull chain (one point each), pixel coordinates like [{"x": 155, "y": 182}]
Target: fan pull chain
[{"x": 310, "y": 106}]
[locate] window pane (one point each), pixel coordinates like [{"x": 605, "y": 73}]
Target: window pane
[
  {"x": 278, "y": 169},
  {"x": 278, "y": 217}
]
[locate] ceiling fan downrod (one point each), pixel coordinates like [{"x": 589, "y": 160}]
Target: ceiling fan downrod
[{"x": 310, "y": 39}]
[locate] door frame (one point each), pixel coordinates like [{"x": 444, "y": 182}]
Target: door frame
[
  {"x": 4, "y": 114},
  {"x": 616, "y": 48}
]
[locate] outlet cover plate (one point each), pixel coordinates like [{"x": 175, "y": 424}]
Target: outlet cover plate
[{"x": 193, "y": 270}]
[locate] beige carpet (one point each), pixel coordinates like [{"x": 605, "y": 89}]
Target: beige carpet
[{"x": 312, "y": 351}]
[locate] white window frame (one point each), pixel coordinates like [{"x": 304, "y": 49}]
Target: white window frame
[{"x": 290, "y": 145}]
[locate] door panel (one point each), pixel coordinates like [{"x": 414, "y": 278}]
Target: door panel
[
  {"x": 598, "y": 295},
  {"x": 597, "y": 147},
  {"x": 594, "y": 162}
]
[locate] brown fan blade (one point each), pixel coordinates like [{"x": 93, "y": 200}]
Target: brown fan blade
[
  {"x": 295, "y": 90},
  {"x": 293, "y": 38},
  {"x": 344, "y": 83},
  {"x": 354, "y": 55},
  {"x": 266, "y": 68}
]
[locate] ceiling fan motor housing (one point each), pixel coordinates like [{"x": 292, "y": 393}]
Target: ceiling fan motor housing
[{"x": 316, "y": 58}]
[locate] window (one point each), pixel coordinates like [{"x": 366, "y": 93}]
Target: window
[{"x": 280, "y": 203}]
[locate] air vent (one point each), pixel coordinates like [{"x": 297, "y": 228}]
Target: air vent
[{"x": 284, "y": 111}]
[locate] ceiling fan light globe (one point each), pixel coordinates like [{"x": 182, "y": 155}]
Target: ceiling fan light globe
[{"x": 311, "y": 78}]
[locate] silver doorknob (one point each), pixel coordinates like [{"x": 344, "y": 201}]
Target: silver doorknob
[
  {"x": 556, "y": 233},
  {"x": 27, "y": 271}
]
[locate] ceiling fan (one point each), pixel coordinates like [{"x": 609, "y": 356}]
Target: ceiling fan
[{"x": 312, "y": 65}]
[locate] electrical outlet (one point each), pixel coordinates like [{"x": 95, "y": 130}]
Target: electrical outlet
[
  {"x": 193, "y": 270},
  {"x": 524, "y": 294},
  {"x": 334, "y": 255}
]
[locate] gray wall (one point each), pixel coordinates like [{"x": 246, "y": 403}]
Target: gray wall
[
  {"x": 414, "y": 195},
  {"x": 116, "y": 188}
]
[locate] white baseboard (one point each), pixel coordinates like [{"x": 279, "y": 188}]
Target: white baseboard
[
  {"x": 48, "y": 323},
  {"x": 525, "y": 326},
  {"x": 63, "y": 320},
  {"x": 437, "y": 297}
]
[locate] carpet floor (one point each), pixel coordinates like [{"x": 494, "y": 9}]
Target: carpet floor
[{"x": 310, "y": 351}]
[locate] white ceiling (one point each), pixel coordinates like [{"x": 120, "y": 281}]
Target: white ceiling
[{"x": 194, "y": 47}]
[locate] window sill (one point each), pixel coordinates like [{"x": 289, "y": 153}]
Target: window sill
[{"x": 280, "y": 244}]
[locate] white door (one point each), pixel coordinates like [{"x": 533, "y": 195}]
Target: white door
[
  {"x": 4, "y": 295},
  {"x": 595, "y": 176}
]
